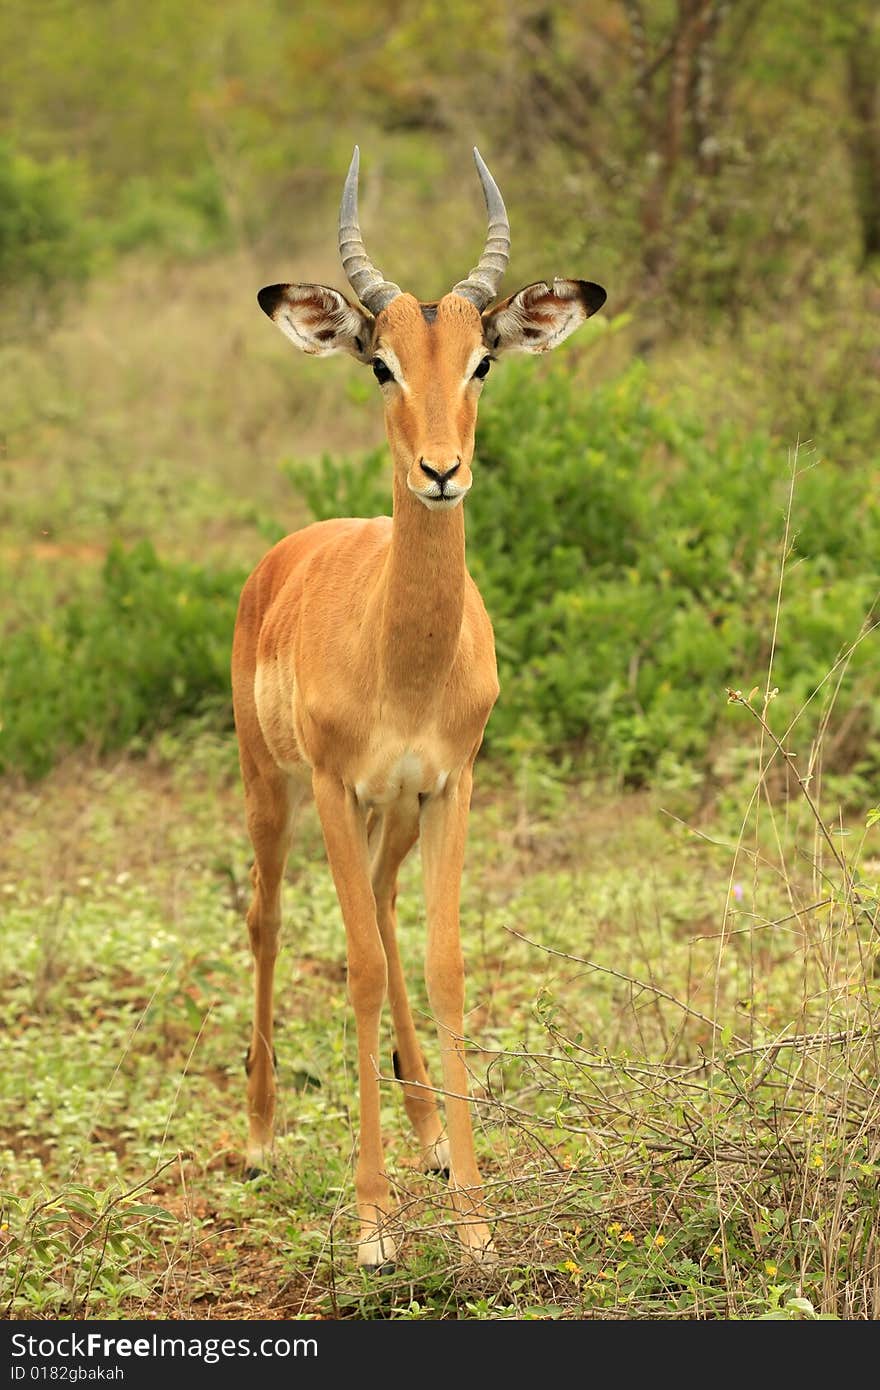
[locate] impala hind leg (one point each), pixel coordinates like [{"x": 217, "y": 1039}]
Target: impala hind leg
[
  {"x": 345, "y": 836},
  {"x": 392, "y": 836},
  {"x": 272, "y": 801},
  {"x": 443, "y": 834}
]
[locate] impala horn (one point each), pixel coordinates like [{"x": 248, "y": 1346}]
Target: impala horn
[
  {"x": 481, "y": 285},
  {"x": 370, "y": 286}
]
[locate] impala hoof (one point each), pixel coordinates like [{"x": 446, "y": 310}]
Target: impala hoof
[
  {"x": 436, "y": 1159},
  {"x": 257, "y": 1160},
  {"x": 377, "y": 1255},
  {"x": 484, "y": 1255}
]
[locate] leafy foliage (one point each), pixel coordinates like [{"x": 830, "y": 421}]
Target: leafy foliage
[
  {"x": 151, "y": 647},
  {"x": 189, "y": 217},
  {"x": 42, "y": 234},
  {"x": 630, "y": 562}
]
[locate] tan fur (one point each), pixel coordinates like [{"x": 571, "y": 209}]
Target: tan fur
[
  {"x": 364, "y": 664},
  {"x": 364, "y": 669}
]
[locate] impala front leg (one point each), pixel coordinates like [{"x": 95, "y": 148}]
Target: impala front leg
[
  {"x": 345, "y": 836},
  {"x": 443, "y": 835}
]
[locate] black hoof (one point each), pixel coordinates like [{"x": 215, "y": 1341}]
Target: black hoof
[
  {"x": 250, "y": 1174},
  {"x": 439, "y": 1173},
  {"x": 387, "y": 1268}
]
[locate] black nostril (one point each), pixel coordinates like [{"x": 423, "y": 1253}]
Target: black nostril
[{"x": 436, "y": 476}]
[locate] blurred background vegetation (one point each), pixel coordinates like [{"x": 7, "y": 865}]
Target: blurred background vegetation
[{"x": 714, "y": 163}]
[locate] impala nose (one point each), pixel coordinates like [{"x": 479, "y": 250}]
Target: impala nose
[{"x": 439, "y": 476}]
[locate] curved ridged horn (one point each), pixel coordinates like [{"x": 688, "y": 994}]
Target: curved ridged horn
[
  {"x": 481, "y": 285},
  {"x": 371, "y": 288}
]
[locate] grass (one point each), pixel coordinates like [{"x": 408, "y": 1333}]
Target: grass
[{"x": 672, "y": 1038}]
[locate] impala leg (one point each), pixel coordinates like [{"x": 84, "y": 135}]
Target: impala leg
[
  {"x": 393, "y": 837},
  {"x": 271, "y": 803},
  {"x": 443, "y": 835},
  {"x": 345, "y": 837}
]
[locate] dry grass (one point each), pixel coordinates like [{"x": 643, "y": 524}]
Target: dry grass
[{"x": 191, "y": 460}]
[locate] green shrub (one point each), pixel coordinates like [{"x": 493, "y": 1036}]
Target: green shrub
[
  {"x": 631, "y": 564},
  {"x": 150, "y": 647},
  {"x": 43, "y": 237},
  {"x": 346, "y": 488},
  {"x": 187, "y": 218}
]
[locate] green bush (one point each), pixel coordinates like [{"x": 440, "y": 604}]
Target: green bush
[
  {"x": 150, "y": 647},
  {"x": 346, "y": 488},
  {"x": 43, "y": 239},
  {"x": 187, "y": 218},
  {"x": 631, "y": 565}
]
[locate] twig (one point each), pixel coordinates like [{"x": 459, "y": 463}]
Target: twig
[{"x": 628, "y": 979}]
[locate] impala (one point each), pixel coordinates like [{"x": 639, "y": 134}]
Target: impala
[{"x": 364, "y": 670}]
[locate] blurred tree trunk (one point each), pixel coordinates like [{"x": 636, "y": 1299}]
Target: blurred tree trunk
[
  {"x": 863, "y": 96},
  {"x": 681, "y": 119},
  {"x": 644, "y": 100},
  {"x": 665, "y": 120}
]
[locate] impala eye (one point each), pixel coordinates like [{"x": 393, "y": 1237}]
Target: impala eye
[
  {"x": 483, "y": 368},
  {"x": 381, "y": 372}
]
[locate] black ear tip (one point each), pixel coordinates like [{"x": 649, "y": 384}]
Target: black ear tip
[
  {"x": 594, "y": 296},
  {"x": 269, "y": 297}
]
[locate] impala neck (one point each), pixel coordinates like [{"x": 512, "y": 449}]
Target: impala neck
[{"x": 424, "y": 596}]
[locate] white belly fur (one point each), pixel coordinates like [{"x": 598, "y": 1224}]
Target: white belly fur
[{"x": 401, "y": 777}]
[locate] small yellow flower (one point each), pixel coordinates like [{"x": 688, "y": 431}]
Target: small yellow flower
[
  {"x": 571, "y": 1268},
  {"x": 714, "y": 1249},
  {"x": 818, "y": 1161},
  {"x": 628, "y": 1238},
  {"x": 770, "y": 1269},
  {"x": 614, "y": 1229},
  {"x": 659, "y": 1239}
]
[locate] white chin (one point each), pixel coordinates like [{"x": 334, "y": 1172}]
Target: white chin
[{"x": 441, "y": 504}]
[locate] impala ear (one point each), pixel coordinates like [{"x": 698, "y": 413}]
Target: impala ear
[
  {"x": 319, "y": 320},
  {"x": 540, "y": 316}
]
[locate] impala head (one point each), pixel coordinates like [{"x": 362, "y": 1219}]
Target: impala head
[{"x": 430, "y": 359}]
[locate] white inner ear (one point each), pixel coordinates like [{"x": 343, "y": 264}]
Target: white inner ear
[
  {"x": 304, "y": 314},
  {"x": 564, "y": 321},
  {"x": 539, "y": 318},
  {"x": 287, "y": 321}
]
